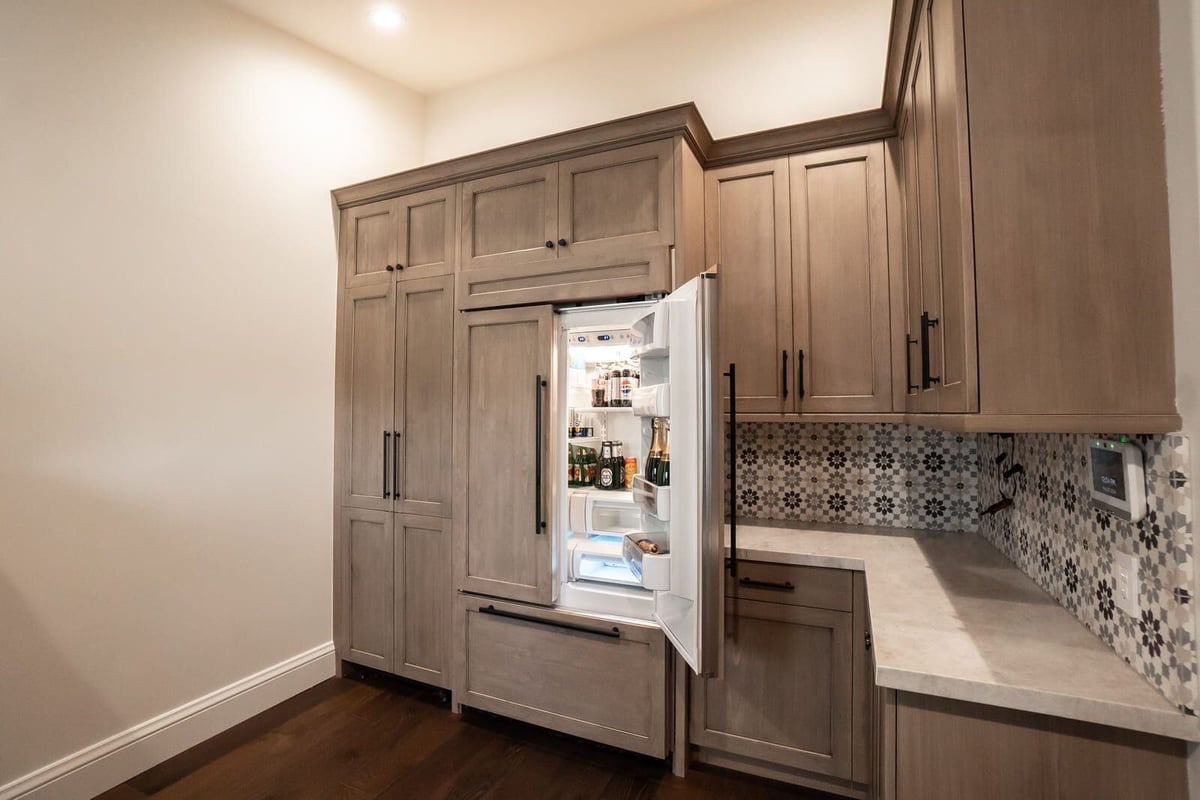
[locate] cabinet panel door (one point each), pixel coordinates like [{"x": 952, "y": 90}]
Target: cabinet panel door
[
  {"x": 747, "y": 234},
  {"x": 922, "y": 239},
  {"x": 364, "y": 396},
  {"x": 619, "y": 198},
  {"x": 367, "y": 586},
  {"x": 510, "y": 218},
  {"x": 839, "y": 254},
  {"x": 424, "y": 395},
  {"x": 369, "y": 237},
  {"x": 428, "y": 233},
  {"x": 423, "y": 598},
  {"x": 785, "y": 695},
  {"x": 501, "y": 547}
]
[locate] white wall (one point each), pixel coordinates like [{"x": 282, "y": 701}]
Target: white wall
[
  {"x": 1180, "y": 41},
  {"x": 167, "y": 272},
  {"x": 748, "y": 66}
]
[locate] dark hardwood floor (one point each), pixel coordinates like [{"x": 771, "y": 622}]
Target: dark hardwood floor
[{"x": 381, "y": 737}]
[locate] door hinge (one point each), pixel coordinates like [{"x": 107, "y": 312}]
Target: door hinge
[{"x": 867, "y": 641}]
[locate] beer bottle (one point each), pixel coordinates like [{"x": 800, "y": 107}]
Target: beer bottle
[
  {"x": 618, "y": 465},
  {"x": 606, "y": 477},
  {"x": 589, "y": 467}
]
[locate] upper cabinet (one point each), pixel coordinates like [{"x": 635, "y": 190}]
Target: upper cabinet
[
  {"x": 840, "y": 277},
  {"x": 802, "y": 245},
  {"x": 593, "y": 227},
  {"x": 399, "y": 239},
  {"x": 1037, "y": 268}
]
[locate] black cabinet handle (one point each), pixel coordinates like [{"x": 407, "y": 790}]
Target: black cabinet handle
[
  {"x": 613, "y": 633},
  {"x": 731, "y": 562},
  {"x": 782, "y": 586},
  {"x": 387, "y": 435},
  {"x": 540, "y": 526},
  {"x": 400, "y": 266},
  {"x": 927, "y": 322},
  {"x": 908, "y": 343},
  {"x": 785, "y": 375},
  {"x": 800, "y": 374},
  {"x": 562, "y": 242},
  {"x": 395, "y": 463},
  {"x": 549, "y": 244},
  {"x": 389, "y": 268}
]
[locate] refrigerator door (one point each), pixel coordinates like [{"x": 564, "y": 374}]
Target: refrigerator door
[{"x": 691, "y": 612}]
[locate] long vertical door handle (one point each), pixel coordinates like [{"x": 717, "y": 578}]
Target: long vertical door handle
[
  {"x": 800, "y": 374},
  {"x": 785, "y": 375},
  {"x": 540, "y": 526},
  {"x": 927, "y": 322},
  {"x": 387, "y": 435},
  {"x": 732, "y": 561},
  {"x": 396, "y": 464}
]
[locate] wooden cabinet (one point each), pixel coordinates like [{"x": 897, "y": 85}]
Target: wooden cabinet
[
  {"x": 602, "y": 681},
  {"x": 364, "y": 408},
  {"x": 365, "y": 629},
  {"x": 802, "y": 243},
  {"x": 747, "y": 235},
  {"x": 407, "y": 237},
  {"x": 424, "y": 359},
  {"x": 793, "y": 701},
  {"x": 840, "y": 313},
  {"x": 503, "y": 543},
  {"x": 935, "y": 171},
  {"x": 422, "y": 598},
  {"x": 596, "y": 226}
]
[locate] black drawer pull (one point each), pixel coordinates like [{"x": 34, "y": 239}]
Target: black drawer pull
[
  {"x": 615, "y": 633},
  {"x": 782, "y": 586}
]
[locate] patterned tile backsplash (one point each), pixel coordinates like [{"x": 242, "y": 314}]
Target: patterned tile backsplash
[
  {"x": 1053, "y": 533},
  {"x": 858, "y": 474}
]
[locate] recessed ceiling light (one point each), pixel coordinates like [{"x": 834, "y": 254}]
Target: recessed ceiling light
[{"x": 386, "y": 18}]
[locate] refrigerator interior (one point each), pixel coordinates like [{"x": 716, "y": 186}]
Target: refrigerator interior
[{"x": 592, "y": 522}]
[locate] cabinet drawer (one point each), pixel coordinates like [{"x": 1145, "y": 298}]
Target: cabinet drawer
[
  {"x": 815, "y": 587},
  {"x": 567, "y": 672}
]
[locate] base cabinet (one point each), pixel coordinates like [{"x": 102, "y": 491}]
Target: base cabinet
[
  {"x": 792, "y": 700},
  {"x": 948, "y": 749},
  {"x": 568, "y": 672}
]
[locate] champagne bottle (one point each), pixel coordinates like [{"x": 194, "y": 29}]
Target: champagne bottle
[
  {"x": 664, "y": 460},
  {"x": 656, "y": 448}
]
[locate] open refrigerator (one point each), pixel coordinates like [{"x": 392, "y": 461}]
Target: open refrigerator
[{"x": 602, "y": 568}]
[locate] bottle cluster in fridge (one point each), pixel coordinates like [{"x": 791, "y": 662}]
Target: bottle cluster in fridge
[
  {"x": 613, "y": 384},
  {"x": 609, "y": 470},
  {"x": 658, "y": 461}
]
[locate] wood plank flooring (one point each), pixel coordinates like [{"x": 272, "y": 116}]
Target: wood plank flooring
[{"x": 380, "y": 737}]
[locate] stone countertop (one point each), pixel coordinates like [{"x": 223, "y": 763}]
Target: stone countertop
[{"x": 951, "y": 616}]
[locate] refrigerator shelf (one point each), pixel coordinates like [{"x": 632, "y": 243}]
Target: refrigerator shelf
[
  {"x": 603, "y": 410},
  {"x": 652, "y": 401}
]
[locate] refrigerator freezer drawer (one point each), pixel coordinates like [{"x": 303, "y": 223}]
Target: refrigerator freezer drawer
[
  {"x": 652, "y": 569},
  {"x": 653, "y": 499},
  {"x": 652, "y": 401},
  {"x": 602, "y": 512}
]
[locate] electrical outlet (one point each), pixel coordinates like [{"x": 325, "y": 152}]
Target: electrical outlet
[{"x": 1125, "y": 593}]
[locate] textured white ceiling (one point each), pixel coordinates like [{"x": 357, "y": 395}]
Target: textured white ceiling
[{"x": 448, "y": 43}]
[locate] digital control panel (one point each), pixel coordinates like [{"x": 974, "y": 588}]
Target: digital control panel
[{"x": 1118, "y": 478}]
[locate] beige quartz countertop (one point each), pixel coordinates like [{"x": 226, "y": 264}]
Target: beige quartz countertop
[{"x": 952, "y": 617}]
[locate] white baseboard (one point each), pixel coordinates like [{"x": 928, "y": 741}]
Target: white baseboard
[{"x": 103, "y": 765}]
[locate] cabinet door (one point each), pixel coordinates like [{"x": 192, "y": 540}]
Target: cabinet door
[
  {"x": 785, "y": 695},
  {"x": 369, "y": 237},
  {"x": 503, "y": 545},
  {"x": 840, "y": 275},
  {"x": 423, "y": 598},
  {"x": 364, "y": 406},
  {"x": 424, "y": 395},
  {"x": 617, "y": 199},
  {"x": 511, "y": 218},
  {"x": 367, "y": 587},
  {"x": 923, "y": 227},
  {"x": 747, "y": 234},
  {"x": 428, "y": 233}
]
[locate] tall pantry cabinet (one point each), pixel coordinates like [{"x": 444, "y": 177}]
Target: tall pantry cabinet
[{"x": 393, "y": 433}]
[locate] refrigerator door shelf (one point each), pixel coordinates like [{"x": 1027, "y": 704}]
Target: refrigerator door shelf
[
  {"x": 654, "y": 500},
  {"x": 652, "y": 569},
  {"x": 652, "y": 401},
  {"x": 654, "y": 331}
]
